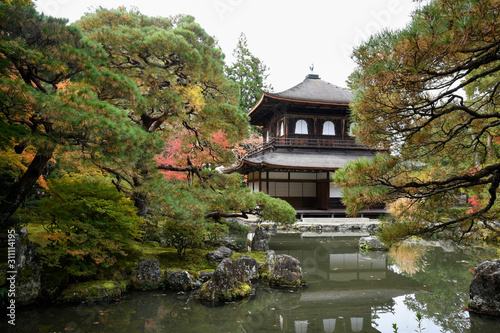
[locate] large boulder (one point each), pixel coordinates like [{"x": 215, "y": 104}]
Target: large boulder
[
  {"x": 228, "y": 283},
  {"x": 260, "y": 241},
  {"x": 148, "y": 275},
  {"x": 485, "y": 288},
  {"x": 179, "y": 280},
  {"x": 28, "y": 266},
  {"x": 220, "y": 254},
  {"x": 249, "y": 266},
  {"x": 284, "y": 270}
]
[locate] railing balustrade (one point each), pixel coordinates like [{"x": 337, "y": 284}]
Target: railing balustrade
[{"x": 283, "y": 142}]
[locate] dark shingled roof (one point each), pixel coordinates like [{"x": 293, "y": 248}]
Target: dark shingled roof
[
  {"x": 315, "y": 89},
  {"x": 312, "y": 92}
]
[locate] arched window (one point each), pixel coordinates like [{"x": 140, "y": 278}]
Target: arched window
[
  {"x": 328, "y": 128},
  {"x": 301, "y": 127},
  {"x": 282, "y": 128}
]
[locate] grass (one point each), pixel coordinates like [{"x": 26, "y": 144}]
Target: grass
[
  {"x": 36, "y": 232},
  {"x": 260, "y": 256}
]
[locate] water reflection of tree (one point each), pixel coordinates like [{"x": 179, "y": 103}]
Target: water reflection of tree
[
  {"x": 408, "y": 257},
  {"x": 386, "y": 308},
  {"x": 448, "y": 277}
]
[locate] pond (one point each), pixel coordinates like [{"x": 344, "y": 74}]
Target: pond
[{"x": 348, "y": 291}]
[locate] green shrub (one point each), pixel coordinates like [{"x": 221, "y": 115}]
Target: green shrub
[
  {"x": 214, "y": 232},
  {"x": 88, "y": 223},
  {"x": 183, "y": 234}
]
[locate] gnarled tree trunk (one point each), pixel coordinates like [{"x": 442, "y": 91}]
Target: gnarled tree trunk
[{"x": 21, "y": 189}]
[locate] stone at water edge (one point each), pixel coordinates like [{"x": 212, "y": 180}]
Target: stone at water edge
[
  {"x": 484, "y": 296},
  {"x": 179, "y": 280},
  {"x": 228, "y": 283},
  {"x": 28, "y": 267},
  {"x": 93, "y": 291},
  {"x": 260, "y": 241},
  {"x": 371, "y": 243},
  {"x": 148, "y": 275},
  {"x": 220, "y": 254},
  {"x": 285, "y": 270}
]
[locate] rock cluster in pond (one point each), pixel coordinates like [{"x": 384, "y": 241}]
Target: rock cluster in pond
[
  {"x": 220, "y": 254},
  {"x": 229, "y": 282},
  {"x": 485, "y": 288},
  {"x": 148, "y": 275},
  {"x": 232, "y": 279},
  {"x": 260, "y": 240}
]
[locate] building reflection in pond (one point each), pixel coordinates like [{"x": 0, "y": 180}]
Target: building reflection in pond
[
  {"x": 357, "y": 324},
  {"x": 329, "y": 325},
  {"x": 301, "y": 326},
  {"x": 349, "y": 283}
]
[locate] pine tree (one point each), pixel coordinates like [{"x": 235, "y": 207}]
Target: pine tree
[
  {"x": 250, "y": 73},
  {"x": 429, "y": 95},
  {"x": 187, "y": 102},
  {"x": 49, "y": 97}
]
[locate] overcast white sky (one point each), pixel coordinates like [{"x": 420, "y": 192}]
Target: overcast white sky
[{"x": 287, "y": 35}]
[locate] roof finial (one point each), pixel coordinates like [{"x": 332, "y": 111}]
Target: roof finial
[{"x": 311, "y": 68}]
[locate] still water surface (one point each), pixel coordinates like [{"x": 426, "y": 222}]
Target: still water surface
[{"x": 348, "y": 291}]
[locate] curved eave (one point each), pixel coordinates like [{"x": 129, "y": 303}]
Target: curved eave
[
  {"x": 263, "y": 165},
  {"x": 301, "y": 160},
  {"x": 293, "y": 100}
]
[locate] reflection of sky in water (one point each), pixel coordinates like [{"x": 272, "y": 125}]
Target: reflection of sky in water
[{"x": 405, "y": 319}]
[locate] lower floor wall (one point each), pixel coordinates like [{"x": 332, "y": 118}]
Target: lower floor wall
[{"x": 304, "y": 191}]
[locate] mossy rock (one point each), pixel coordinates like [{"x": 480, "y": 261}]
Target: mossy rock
[
  {"x": 240, "y": 290},
  {"x": 228, "y": 283},
  {"x": 284, "y": 271},
  {"x": 371, "y": 243},
  {"x": 148, "y": 275},
  {"x": 25, "y": 275},
  {"x": 93, "y": 291}
]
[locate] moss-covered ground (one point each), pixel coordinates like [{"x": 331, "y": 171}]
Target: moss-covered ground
[{"x": 194, "y": 261}]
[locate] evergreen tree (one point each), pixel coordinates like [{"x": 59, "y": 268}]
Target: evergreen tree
[
  {"x": 129, "y": 95},
  {"x": 250, "y": 73},
  {"x": 49, "y": 98},
  {"x": 188, "y": 103},
  {"x": 442, "y": 144}
]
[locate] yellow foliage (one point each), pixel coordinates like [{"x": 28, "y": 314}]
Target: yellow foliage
[
  {"x": 408, "y": 257},
  {"x": 63, "y": 85},
  {"x": 192, "y": 95}
]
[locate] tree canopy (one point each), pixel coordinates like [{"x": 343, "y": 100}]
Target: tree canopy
[
  {"x": 49, "y": 98},
  {"x": 428, "y": 95},
  {"x": 145, "y": 100},
  {"x": 187, "y": 101}
]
